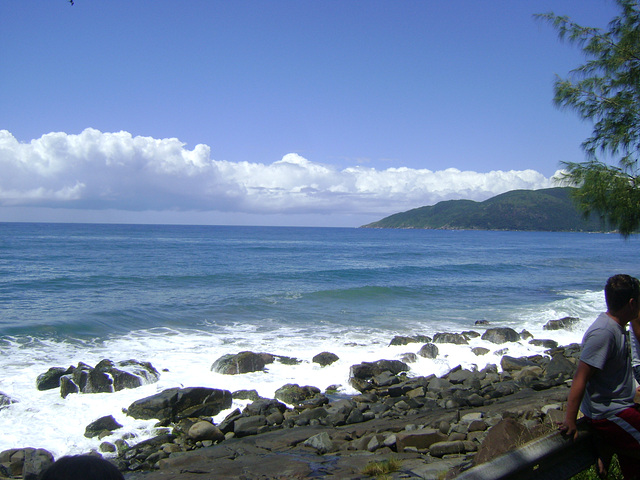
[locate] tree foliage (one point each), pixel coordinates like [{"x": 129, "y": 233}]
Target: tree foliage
[{"x": 606, "y": 91}]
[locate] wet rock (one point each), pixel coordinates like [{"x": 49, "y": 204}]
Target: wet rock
[
  {"x": 95, "y": 428},
  {"x": 5, "y": 400},
  {"x": 361, "y": 375},
  {"x": 546, "y": 343},
  {"x": 243, "y": 362},
  {"x": 176, "y": 403},
  {"x": 325, "y": 358},
  {"x": 428, "y": 350},
  {"x": 293, "y": 394},
  {"x": 500, "y": 335},
  {"x": 479, "y": 351},
  {"x": 51, "y": 378},
  {"x": 566, "y": 323},
  {"x": 455, "y": 338},
  {"x": 246, "y": 395}
]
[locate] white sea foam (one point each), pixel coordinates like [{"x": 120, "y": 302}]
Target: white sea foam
[{"x": 43, "y": 419}]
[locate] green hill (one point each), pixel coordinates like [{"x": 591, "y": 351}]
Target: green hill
[{"x": 549, "y": 209}]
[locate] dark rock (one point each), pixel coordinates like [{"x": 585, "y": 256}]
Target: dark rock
[
  {"x": 409, "y": 357},
  {"x": 243, "y": 362},
  {"x": 506, "y": 435},
  {"x": 509, "y": 364},
  {"x": 565, "y": 323},
  {"x": 176, "y": 403},
  {"x": 544, "y": 343},
  {"x": 480, "y": 351},
  {"x": 325, "y": 358},
  {"x": 245, "y": 426},
  {"x": 287, "y": 360},
  {"x": 560, "y": 366},
  {"x": 455, "y": 338},
  {"x": 401, "y": 340},
  {"x": 500, "y": 335},
  {"x": 482, "y": 322},
  {"x": 428, "y": 350},
  {"x": 96, "y": 427},
  {"x": 246, "y": 395},
  {"x": 51, "y": 378},
  {"x": 67, "y": 386},
  {"x": 5, "y": 400},
  {"x": 361, "y": 375},
  {"x": 293, "y": 393},
  {"x": 36, "y": 461},
  {"x": 264, "y": 406}
]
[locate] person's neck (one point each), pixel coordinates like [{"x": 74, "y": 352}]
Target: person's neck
[{"x": 620, "y": 320}]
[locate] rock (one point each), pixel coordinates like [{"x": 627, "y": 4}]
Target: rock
[
  {"x": 245, "y": 426},
  {"x": 246, "y": 395},
  {"x": 286, "y": 360},
  {"x": 441, "y": 449},
  {"x": 481, "y": 322},
  {"x": 176, "y": 403},
  {"x": 479, "y": 351},
  {"x": 400, "y": 340},
  {"x": 294, "y": 394},
  {"x": 51, "y": 378},
  {"x": 5, "y": 400},
  {"x": 428, "y": 350},
  {"x": 509, "y": 364},
  {"x": 502, "y": 437},
  {"x": 243, "y": 362},
  {"x": 500, "y": 335},
  {"x": 455, "y": 338},
  {"x": 560, "y": 366},
  {"x": 264, "y": 406},
  {"x": 361, "y": 375},
  {"x": 321, "y": 442},
  {"x": 36, "y": 461},
  {"x": 420, "y": 439},
  {"x": 566, "y": 323},
  {"x": 204, "y": 430},
  {"x": 409, "y": 357},
  {"x": 546, "y": 343},
  {"x": 95, "y": 428},
  {"x": 525, "y": 335},
  {"x": 67, "y": 386},
  {"x": 325, "y": 358}
]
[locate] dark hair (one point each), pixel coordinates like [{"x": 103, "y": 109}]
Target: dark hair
[
  {"x": 619, "y": 290},
  {"x": 82, "y": 467}
]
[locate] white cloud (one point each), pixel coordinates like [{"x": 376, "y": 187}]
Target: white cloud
[{"x": 99, "y": 171}]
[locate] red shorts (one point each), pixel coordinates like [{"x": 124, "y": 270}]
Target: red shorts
[{"x": 621, "y": 433}]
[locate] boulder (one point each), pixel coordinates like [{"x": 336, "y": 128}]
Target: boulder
[
  {"x": 325, "y": 358},
  {"x": 509, "y": 364},
  {"x": 5, "y": 400},
  {"x": 362, "y": 374},
  {"x": 479, "y": 351},
  {"x": 176, "y": 403},
  {"x": 35, "y": 462},
  {"x": 428, "y": 350},
  {"x": 560, "y": 366},
  {"x": 402, "y": 340},
  {"x": 566, "y": 323},
  {"x": 95, "y": 428},
  {"x": 51, "y": 378},
  {"x": 455, "y": 338},
  {"x": 500, "y": 335},
  {"x": 243, "y": 362},
  {"x": 506, "y": 435},
  {"x": 204, "y": 430},
  {"x": 546, "y": 343},
  {"x": 321, "y": 442},
  {"x": 294, "y": 394}
]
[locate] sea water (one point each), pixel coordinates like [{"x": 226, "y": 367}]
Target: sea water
[{"x": 180, "y": 297}]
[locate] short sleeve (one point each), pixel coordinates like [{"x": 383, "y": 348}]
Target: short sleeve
[{"x": 597, "y": 346}]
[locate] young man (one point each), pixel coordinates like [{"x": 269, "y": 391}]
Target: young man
[{"x": 603, "y": 387}]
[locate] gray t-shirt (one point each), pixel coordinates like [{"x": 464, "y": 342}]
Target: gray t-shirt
[{"x": 611, "y": 389}]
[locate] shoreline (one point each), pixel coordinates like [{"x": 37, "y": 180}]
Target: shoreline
[{"x": 386, "y": 396}]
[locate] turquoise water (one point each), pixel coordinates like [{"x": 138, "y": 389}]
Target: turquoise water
[{"x": 100, "y": 280}]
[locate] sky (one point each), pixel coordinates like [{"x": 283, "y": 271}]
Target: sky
[{"x": 284, "y": 112}]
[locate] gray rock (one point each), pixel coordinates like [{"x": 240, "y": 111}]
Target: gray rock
[
  {"x": 294, "y": 394},
  {"x": 500, "y": 335},
  {"x": 509, "y": 364},
  {"x": 441, "y": 449},
  {"x": 455, "y": 338},
  {"x": 244, "y": 426},
  {"x": 204, "y": 430},
  {"x": 321, "y": 442},
  {"x": 51, "y": 378},
  {"x": 176, "y": 403},
  {"x": 478, "y": 351},
  {"x": 98, "y": 426},
  {"x": 566, "y": 323},
  {"x": 428, "y": 350},
  {"x": 325, "y": 358},
  {"x": 546, "y": 343},
  {"x": 243, "y": 362},
  {"x": 36, "y": 461}
]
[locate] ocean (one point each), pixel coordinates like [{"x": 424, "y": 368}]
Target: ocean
[{"x": 180, "y": 297}]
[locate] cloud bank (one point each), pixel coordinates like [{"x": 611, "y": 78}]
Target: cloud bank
[{"x": 96, "y": 170}]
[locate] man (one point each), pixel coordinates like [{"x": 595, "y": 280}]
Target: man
[{"x": 603, "y": 387}]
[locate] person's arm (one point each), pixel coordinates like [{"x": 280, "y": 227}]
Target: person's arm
[{"x": 578, "y": 386}]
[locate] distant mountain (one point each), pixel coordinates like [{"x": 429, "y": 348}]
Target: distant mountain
[{"x": 549, "y": 210}]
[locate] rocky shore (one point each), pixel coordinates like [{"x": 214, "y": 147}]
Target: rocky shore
[{"x": 421, "y": 427}]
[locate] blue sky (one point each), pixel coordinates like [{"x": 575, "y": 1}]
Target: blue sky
[{"x": 327, "y": 112}]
